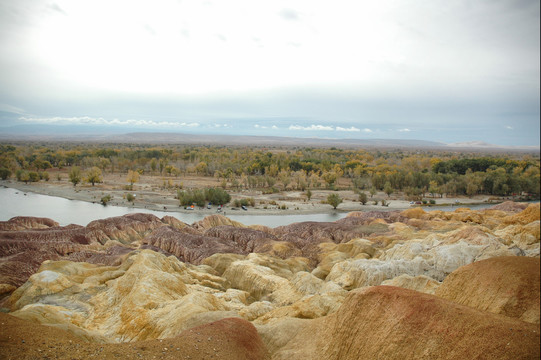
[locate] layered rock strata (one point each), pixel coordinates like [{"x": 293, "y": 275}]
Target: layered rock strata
[{"x": 458, "y": 281}]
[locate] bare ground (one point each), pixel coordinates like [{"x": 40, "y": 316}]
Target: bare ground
[{"x": 159, "y": 192}]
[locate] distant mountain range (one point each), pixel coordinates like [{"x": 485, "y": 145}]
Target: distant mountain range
[{"x": 118, "y": 135}]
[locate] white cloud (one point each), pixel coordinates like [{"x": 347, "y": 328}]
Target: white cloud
[
  {"x": 312, "y": 128},
  {"x": 351, "y": 129},
  {"x": 509, "y": 127},
  {"x": 404, "y": 130},
  {"x": 11, "y": 109},
  {"x": 257, "y": 126},
  {"x": 367, "y": 130},
  {"x": 86, "y": 120}
]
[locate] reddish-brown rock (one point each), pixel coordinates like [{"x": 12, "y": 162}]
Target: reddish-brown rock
[
  {"x": 393, "y": 323},
  {"x": 25, "y": 242},
  {"x": 385, "y": 322},
  {"x": 189, "y": 247},
  {"x": 503, "y": 285},
  {"x": 231, "y": 338},
  {"x": 26, "y": 222}
]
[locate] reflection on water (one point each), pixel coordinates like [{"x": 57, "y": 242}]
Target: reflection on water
[{"x": 18, "y": 203}]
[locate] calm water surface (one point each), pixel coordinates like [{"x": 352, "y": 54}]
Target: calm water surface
[
  {"x": 18, "y": 203},
  {"x": 14, "y": 202}
]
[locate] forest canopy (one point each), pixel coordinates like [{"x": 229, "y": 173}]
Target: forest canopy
[{"x": 413, "y": 172}]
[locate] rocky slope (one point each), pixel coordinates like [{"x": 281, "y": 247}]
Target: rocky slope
[
  {"x": 459, "y": 282},
  {"x": 384, "y": 322},
  {"x": 227, "y": 339}
]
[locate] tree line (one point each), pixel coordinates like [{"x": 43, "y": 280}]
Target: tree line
[{"x": 415, "y": 173}]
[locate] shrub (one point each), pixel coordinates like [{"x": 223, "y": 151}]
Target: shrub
[
  {"x": 34, "y": 176},
  {"x": 199, "y": 197},
  {"x": 105, "y": 199},
  {"x": 22, "y": 175},
  {"x": 5, "y": 173},
  {"x": 432, "y": 202},
  {"x": 44, "y": 175},
  {"x": 130, "y": 197},
  {"x": 244, "y": 202}
]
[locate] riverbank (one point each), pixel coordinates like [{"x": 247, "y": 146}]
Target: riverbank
[{"x": 152, "y": 197}]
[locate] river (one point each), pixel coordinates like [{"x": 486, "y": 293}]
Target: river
[{"x": 14, "y": 202}]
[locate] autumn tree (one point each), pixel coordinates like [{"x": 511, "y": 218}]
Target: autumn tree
[
  {"x": 132, "y": 178},
  {"x": 94, "y": 175},
  {"x": 201, "y": 168},
  {"x": 75, "y": 175},
  {"x": 330, "y": 178}
]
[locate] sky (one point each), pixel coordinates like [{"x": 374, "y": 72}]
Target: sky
[{"x": 439, "y": 70}]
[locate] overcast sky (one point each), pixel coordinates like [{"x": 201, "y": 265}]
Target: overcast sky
[{"x": 449, "y": 71}]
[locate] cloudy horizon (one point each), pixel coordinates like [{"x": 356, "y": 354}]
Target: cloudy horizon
[{"x": 442, "y": 71}]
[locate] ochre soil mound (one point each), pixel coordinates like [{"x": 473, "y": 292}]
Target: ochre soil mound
[
  {"x": 502, "y": 285},
  {"x": 230, "y": 338},
  {"x": 385, "y": 322}
]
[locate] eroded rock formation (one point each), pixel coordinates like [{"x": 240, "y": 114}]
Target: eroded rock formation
[
  {"x": 312, "y": 290},
  {"x": 501, "y": 285}
]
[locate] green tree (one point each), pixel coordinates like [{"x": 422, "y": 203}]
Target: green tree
[
  {"x": 75, "y": 175},
  {"x": 153, "y": 164},
  {"x": 433, "y": 188},
  {"x": 334, "y": 200},
  {"x": 5, "y": 173},
  {"x": 217, "y": 196},
  {"x": 34, "y": 176},
  {"x": 94, "y": 175},
  {"x": 308, "y": 194},
  {"x": 23, "y": 175},
  {"x": 363, "y": 198},
  {"x": 388, "y": 189}
]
